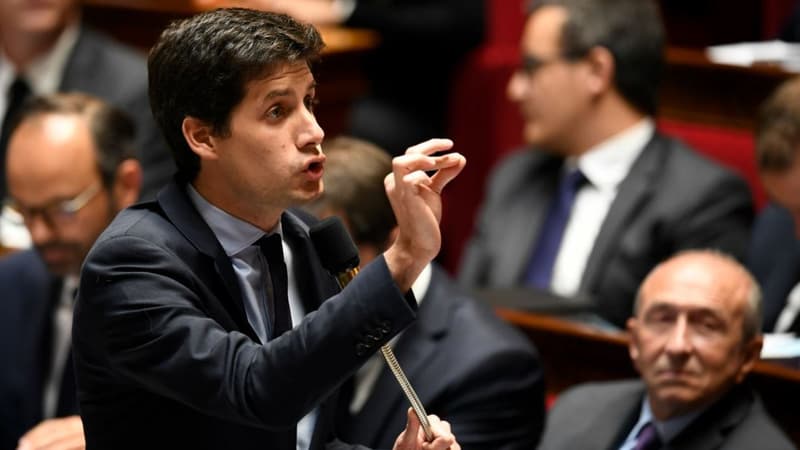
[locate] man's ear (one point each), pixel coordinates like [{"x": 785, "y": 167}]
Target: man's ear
[
  {"x": 601, "y": 70},
  {"x": 751, "y": 352},
  {"x": 633, "y": 339},
  {"x": 200, "y": 137},
  {"x": 127, "y": 184}
]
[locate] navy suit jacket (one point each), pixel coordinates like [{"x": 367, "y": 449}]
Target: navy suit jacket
[
  {"x": 165, "y": 357},
  {"x": 468, "y": 367},
  {"x": 774, "y": 260},
  {"x": 599, "y": 416},
  {"x": 100, "y": 66},
  {"x": 26, "y": 310},
  {"x": 672, "y": 199}
]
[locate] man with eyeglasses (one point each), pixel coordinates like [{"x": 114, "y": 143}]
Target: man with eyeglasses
[
  {"x": 599, "y": 197},
  {"x": 70, "y": 170}
]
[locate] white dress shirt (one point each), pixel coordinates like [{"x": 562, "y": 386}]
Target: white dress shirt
[
  {"x": 604, "y": 166},
  {"x": 61, "y": 341}
]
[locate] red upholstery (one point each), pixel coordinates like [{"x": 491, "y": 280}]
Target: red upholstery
[
  {"x": 482, "y": 122},
  {"x": 731, "y": 147},
  {"x": 775, "y": 13}
]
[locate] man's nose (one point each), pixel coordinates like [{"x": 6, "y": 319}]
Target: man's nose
[
  {"x": 311, "y": 133},
  {"x": 679, "y": 339},
  {"x": 40, "y": 230}
]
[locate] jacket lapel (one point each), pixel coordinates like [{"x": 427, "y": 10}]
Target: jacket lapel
[
  {"x": 37, "y": 318},
  {"x": 634, "y": 190},
  {"x": 525, "y": 217},
  {"x": 79, "y": 73},
  {"x": 183, "y": 215},
  {"x": 709, "y": 430}
]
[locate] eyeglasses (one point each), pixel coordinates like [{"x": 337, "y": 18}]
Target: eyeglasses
[
  {"x": 57, "y": 212},
  {"x": 530, "y": 64}
]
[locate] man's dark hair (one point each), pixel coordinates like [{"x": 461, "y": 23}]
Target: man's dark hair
[
  {"x": 778, "y": 128},
  {"x": 353, "y": 180},
  {"x": 112, "y": 131},
  {"x": 631, "y": 30},
  {"x": 200, "y": 67}
]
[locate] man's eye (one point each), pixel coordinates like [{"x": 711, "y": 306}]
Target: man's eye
[
  {"x": 275, "y": 112},
  {"x": 311, "y": 103},
  {"x": 660, "y": 318}
]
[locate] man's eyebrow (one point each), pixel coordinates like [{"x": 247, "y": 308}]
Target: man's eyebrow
[
  {"x": 286, "y": 92},
  {"x": 277, "y": 93}
]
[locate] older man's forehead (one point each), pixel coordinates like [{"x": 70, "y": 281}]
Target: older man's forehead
[{"x": 722, "y": 288}]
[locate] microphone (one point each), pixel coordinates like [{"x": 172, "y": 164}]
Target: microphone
[{"x": 339, "y": 256}]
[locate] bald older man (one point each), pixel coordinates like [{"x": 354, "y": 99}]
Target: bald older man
[
  {"x": 694, "y": 338},
  {"x": 70, "y": 169}
]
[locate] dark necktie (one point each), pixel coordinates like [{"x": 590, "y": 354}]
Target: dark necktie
[
  {"x": 540, "y": 268},
  {"x": 16, "y": 95},
  {"x": 279, "y": 295},
  {"x": 282, "y": 321},
  {"x": 648, "y": 438}
]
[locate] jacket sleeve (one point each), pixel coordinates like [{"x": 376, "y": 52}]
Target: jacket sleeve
[{"x": 143, "y": 316}]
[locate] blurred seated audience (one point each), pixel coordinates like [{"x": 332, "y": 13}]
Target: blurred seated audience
[
  {"x": 599, "y": 197},
  {"x": 694, "y": 338},
  {"x": 71, "y": 167},
  {"x": 775, "y": 250},
  {"x": 410, "y": 73},
  {"x": 467, "y": 365},
  {"x": 45, "y": 48}
]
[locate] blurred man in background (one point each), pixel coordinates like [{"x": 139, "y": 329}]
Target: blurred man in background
[
  {"x": 468, "y": 366},
  {"x": 71, "y": 168},
  {"x": 775, "y": 248},
  {"x": 45, "y": 48},
  {"x": 600, "y": 197}
]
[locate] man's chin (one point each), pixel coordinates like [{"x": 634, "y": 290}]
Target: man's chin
[
  {"x": 311, "y": 192},
  {"x": 58, "y": 261}
]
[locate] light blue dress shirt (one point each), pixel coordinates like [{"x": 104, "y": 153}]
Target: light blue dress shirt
[{"x": 238, "y": 239}]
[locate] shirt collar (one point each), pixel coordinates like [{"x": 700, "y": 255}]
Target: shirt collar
[
  {"x": 667, "y": 429},
  {"x": 44, "y": 73},
  {"x": 607, "y": 164},
  {"x": 232, "y": 233}
]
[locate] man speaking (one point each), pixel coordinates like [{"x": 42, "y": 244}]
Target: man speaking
[{"x": 180, "y": 331}]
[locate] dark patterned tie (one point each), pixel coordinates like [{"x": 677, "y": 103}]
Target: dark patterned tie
[
  {"x": 279, "y": 295},
  {"x": 16, "y": 95},
  {"x": 540, "y": 268},
  {"x": 648, "y": 438}
]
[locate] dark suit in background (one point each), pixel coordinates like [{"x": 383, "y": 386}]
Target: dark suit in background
[
  {"x": 774, "y": 259},
  {"x": 672, "y": 199},
  {"x": 166, "y": 353},
  {"x": 100, "y": 66},
  {"x": 29, "y": 295},
  {"x": 468, "y": 367},
  {"x": 432, "y": 34},
  {"x": 599, "y": 416}
]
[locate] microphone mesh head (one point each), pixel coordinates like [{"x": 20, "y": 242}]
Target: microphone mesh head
[{"x": 334, "y": 245}]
